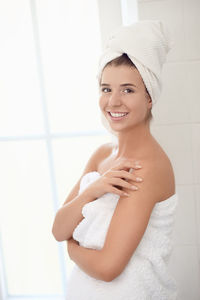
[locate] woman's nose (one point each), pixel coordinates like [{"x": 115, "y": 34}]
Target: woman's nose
[{"x": 114, "y": 99}]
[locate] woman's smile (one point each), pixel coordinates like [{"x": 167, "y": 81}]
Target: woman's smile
[{"x": 117, "y": 116}]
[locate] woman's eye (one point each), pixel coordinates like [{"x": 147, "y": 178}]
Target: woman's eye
[
  {"x": 129, "y": 91},
  {"x": 105, "y": 90}
]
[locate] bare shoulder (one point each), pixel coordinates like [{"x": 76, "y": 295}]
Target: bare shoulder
[
  {"x": 105, "y": 150},
  {"x": 166, "y": 177},
  {"x": 159, "y": 172},
  {"x": 97, "y": 156}
]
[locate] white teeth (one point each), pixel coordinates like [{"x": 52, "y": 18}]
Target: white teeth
[{"x": 117, "y": 114}]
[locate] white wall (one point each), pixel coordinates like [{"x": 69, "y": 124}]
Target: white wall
[{"x": 177, "y": 128}]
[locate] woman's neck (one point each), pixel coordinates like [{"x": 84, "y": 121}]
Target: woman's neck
[{"x": 135, "y": 143}]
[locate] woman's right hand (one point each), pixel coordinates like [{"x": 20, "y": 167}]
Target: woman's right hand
[{"x": 115, "y": 179}]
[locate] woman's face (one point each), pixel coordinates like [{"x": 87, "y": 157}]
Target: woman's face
[{"x": 123, "y": 99}]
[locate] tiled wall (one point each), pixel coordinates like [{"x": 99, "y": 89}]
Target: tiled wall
[{"x": 177, "y": 128}]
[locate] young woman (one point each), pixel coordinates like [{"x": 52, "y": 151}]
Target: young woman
[{"x": 118, "y": 218}]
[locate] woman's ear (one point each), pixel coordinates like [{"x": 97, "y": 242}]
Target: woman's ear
[
  {"x": 150, "y": 102},
  {"x": 149, "y": 99}
]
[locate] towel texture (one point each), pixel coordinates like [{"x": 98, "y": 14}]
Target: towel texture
[
  {"x": 146, "y": 43},
  {"x": 146, "y": 276}
]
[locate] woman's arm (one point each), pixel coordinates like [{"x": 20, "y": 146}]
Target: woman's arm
[
  {"x": 126, "y": 229},
  {"x": 89, "y": 260},
  {"x": 69, "y": 215}
]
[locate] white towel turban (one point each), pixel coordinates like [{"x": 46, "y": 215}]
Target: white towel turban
[{"x": 146, "y": 43}]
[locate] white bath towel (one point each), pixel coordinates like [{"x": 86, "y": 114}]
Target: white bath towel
[
  {"x": 146, "y": 43},
  {"x": 146, "y": 276}
]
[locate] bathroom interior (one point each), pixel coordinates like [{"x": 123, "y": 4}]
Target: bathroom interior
[{"x": 49, "y": 57}]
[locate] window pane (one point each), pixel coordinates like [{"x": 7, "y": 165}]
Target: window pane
[
  {"x": 70, "y": 45},
  {"x": 19, "y": 87},
  {"x": 26, "y": 214},
  {"x": 129, "y": 11}
]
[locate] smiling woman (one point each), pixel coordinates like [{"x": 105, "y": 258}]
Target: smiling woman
[
  {"x": 124, "y": 60},
  {"x": 129, "y": 87},
  {"x": 118, "y": 217},
  {"x": 119, "y": 70}
]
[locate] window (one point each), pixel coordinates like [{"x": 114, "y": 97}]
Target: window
[{"x": 49, "y": 126}]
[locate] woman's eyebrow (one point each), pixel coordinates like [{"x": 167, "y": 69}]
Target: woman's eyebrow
[{"x": 124, "y": 84}]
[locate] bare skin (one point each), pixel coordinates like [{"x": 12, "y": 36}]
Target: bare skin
[{"x": 112, "y": 181}]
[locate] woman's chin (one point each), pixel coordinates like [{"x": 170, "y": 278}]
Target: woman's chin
[{"x": 118, "y": 128}]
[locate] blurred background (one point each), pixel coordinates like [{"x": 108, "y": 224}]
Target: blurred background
[{"x": 50, "y": 125}]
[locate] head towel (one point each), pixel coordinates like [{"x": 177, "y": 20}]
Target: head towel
[{"x": 146, "y": 43}]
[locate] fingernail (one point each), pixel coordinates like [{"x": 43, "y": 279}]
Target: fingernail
[
  {"x": 138, "y": 179},
  {"x": 138, "y": 166},
  {"x": 134, "y": 187},
  {"x": 125, "y": 194}
]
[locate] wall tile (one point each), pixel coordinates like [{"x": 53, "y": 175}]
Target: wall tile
[
  {"x": 185, "y": 269},
  {"x": 171, "y": 13},
  {"x": 196, "y": 151},
  {"x": 179, "y": 101},
  {"x": 191, "y": 18},
  {"x": 192, "y": 89},
  {"x": 185, "y": 229},
  {"x": 176, "y": 141},
  {"x": 198, "y": 251},
  {"x": 197, "y": 199},
  {"x": 172, "y": 107}
]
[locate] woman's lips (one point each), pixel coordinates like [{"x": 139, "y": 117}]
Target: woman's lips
[{"x": 117, "y": 118}]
